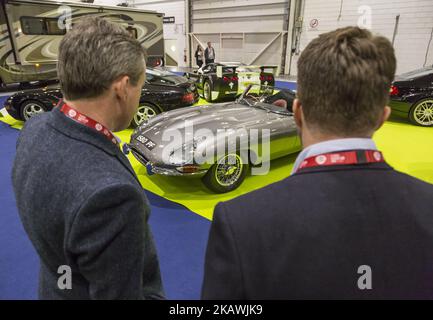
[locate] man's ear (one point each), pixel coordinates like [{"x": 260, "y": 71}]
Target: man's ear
[
  {"x": 383, "y": 117},
  {"x": 297, "y": 112},
  {"x": 120, "y": 87}
]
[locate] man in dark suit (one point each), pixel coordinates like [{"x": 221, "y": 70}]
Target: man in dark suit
[
  {"x": 78, "y": 197},
  {"x": 209, "y": 54},
  {"x": 345, "y": 224}
]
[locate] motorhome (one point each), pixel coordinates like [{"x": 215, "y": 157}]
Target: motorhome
[{"x": 30, "y": 33}]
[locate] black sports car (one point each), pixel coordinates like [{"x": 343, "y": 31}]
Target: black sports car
[
  {"x": 227, "y": 80},
  {"x": 163, "y": 91},
  {"x": 411, "y": 96}
]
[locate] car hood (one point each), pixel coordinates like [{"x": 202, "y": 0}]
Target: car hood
[
  {"x": 214, "y": 117},
  {"x": 176, "y": 79},
  {"x": 50, "y": 89},
  {"x": 172, "y": 81}
]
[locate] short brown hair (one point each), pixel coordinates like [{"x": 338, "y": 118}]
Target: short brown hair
[
  {"x": 344, "y": 77},
  {"x": 94, "y": 54}
]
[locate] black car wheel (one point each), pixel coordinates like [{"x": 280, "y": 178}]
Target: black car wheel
[
  {"x": 421, "y": 113},
  {"x": 145, "y": 112},
  {"x": 207, "y": 91},
  {"x": 31, "y": 108},
  {"x": 227, "y": 174}
]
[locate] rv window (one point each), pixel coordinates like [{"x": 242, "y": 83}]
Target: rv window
[
  {"x": 32, "y": 26},
  {"x": 41, "y": 26},
  {"x": 53, "y": 27}
]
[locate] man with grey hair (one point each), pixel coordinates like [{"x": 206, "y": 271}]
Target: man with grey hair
[{"x": 77, "y": 195}]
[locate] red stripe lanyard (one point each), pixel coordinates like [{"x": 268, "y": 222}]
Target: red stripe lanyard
[
  {"x": 343, "y": 158},
  {"x": 88, "y": 122}
]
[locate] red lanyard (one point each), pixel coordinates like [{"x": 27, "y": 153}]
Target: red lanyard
[
  {"x": 343, "y": 158},
  {"x": 88, "y": 122}
]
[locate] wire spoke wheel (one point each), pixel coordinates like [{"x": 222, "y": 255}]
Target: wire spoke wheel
[
  {"x": 227, "y": 173},
  {"x": 228, "y": 170}
]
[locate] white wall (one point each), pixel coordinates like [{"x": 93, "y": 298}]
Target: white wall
[
  {"x": 240, "y": 29},
  {"x": 414, "y": 30},
  {"x": 237, "y": 15}
]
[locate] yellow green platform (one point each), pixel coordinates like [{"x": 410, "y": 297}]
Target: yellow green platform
[{"x": 406, "y": 147}]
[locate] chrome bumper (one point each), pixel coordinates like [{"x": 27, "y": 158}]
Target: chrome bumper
[
  {"x": 151, "y": 168},
  {"x": 171, "y": 171}
]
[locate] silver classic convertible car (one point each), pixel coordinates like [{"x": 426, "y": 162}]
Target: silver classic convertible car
[{"x": 221, "y": 142}]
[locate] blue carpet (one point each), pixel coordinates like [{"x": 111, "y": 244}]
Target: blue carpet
[
  {"x": 180, "y": 237},
  {"x": 18, "y": 261},
  {"x": 285, "y": 85}
]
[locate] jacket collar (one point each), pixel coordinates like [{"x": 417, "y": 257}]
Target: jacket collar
[
  {"x": 371, "y": 166},
  {"x": 77, "y": 131}
]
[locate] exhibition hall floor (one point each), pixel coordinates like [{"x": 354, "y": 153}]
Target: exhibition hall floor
[{"x": 181, "y": 208}]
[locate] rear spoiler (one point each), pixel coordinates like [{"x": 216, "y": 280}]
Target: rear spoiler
[
  {"x": 274, "y": 67},
  {"x": 257, "y": 67}
]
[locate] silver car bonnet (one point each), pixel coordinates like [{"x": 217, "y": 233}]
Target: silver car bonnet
[{"x": 214, "y": 117}]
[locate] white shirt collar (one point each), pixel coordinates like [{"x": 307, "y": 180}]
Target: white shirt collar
[{"x": 333, "y": 146}]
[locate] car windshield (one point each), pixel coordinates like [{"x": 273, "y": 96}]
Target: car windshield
[{"x": 256, "y": 96}]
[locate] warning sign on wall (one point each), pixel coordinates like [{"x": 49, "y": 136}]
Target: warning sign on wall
[{"x": 314, "y": 23}]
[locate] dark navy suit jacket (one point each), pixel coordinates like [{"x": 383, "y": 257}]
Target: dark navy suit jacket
[
  {"x": 82, "y": 206},
  {"x": 308, "y": 236}
]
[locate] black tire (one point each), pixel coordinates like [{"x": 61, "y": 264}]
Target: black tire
[
  {"x": 211, "y": 180},
  {"x": 207, "y": 91},
  {"x": 30, "y": 108},
  {"x": 144, "y": 112},
  {"x": 421, "y": 113}
]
